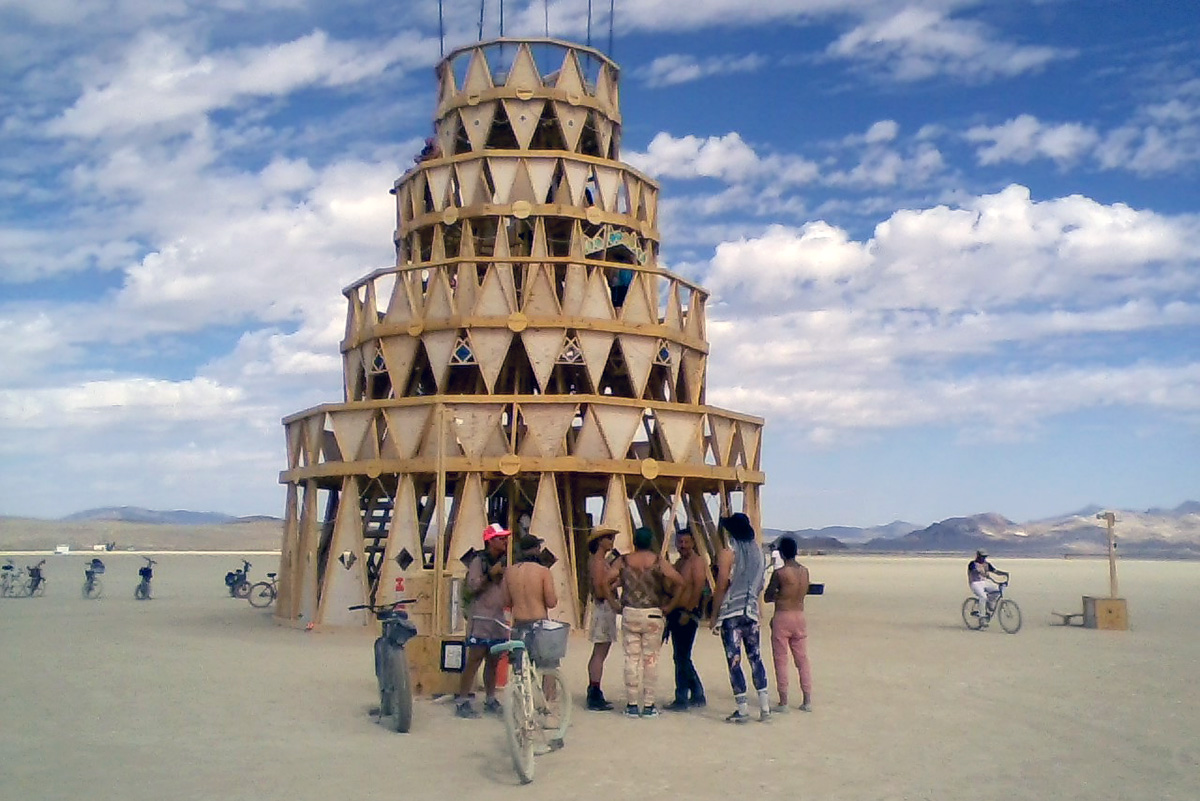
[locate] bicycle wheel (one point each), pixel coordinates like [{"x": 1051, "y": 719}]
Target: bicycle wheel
[
  {"x": 518, "y": 727},
  {"x": 970, "y": 613},
  {"x": 1009, "y": 615},
  {"x": 402, "y": 701},
  {"x": 241, "y": 589},
  {"x": 261, "y": 595},
  {"x": 93, "y": 590},
  {"x": 555, "y": 715},
  {"x": 142, "y": 592}
]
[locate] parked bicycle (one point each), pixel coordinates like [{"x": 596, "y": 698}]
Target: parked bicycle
[
  {"x": 263, "y": 593},
  {"x": 391, "y": 663},
  {"x": 238, "y": 581},
  {"x": 146, "y": 572},
  {"x": 537, "y": 706},
  {"x": 93, "y": 587},
  {"x": 1005, "y": 610}
]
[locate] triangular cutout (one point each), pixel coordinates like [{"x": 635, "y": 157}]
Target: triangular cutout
[
  {"x": 590, "y": 444},
  {"x": 596, "y": 345}
]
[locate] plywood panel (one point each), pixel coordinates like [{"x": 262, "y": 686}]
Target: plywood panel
[
  {"x": 439, "y": 305},
  {"x": 493, "y": 299},
  {"x": 400, "y": 307},
  {"x": 548, "y": 525},
  {"x": 469, "y": 521},
  {"x": 639, "y": 358},
  {"x": 590, "y": 444},
  {"x": 608, "y": 179},
  {"x": 595, "y": 346},
  {"x": 577, "y": 178},
  {"x": 406, "y": 427},
  {"x": 474, "y": 424},
  {"x": 681, "y": 430},
  {"x": 540, "y": 298},
  {"x": 503, "y": 172},
  {"x": 637, "y": 309},
  {"x": 542, "y": 346},
  {"x": 597, "y": 301},
  {"x": 470, "y": 180},
  {"x": 439, "y": 185},
  {"x": 524, "y": 115},
  {"x": 490, "y": 346},
  {"x": 619, "y": 424},
  {"x": 439, "y": 345},
  {"x": 546, "y": 428},
  {"x": 571, "y": 120},
  {"x": 345, "y": 581},
  {"x": 616, "y": 514},
  {"x": 523, "y": 75},
  {"x": 402, "y": 536},
  {"x": 477, "y": 120},
  {"x": 350, "y": 427},
  {"x": 574, "y": 287}
]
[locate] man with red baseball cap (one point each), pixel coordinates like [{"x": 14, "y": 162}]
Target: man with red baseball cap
[{"x": 486, "y": 620}]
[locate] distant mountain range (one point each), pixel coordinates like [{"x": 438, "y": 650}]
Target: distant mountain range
[
  {"x": 1153, "y": 533},
  {"x": 178, "y": 517}
]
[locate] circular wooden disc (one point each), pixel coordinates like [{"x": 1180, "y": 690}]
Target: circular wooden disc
[
  {"x": 510, "y": 464},
  {"x": 649, "y": 468},
  {"x": 415, "y": 328},
  {"x": 517, "y": 322},
  {"x": 522, "y": 209},
  {"x": 450, "y": 215},
  {"x": 525, "y": 94},
  {"x": 593, "y": 215},
  {"x": 473, "y": 99}
]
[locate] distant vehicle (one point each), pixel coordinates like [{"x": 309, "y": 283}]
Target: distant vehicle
[{"x": 62, "y": 550}]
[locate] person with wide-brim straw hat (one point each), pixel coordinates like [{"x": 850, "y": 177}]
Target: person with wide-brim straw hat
[{"x": 602, "y": 626}]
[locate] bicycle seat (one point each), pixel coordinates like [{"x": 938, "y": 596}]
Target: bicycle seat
[
  {"x": 271, "y": 575},
  {"x": 508, "y": 647}
]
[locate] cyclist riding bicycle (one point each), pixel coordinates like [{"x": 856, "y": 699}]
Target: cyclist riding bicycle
[{"x": 979, "y": 577}]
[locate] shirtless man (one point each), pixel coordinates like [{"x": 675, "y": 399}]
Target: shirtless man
[
  {"x": 528, "y": 588},
  {"x": 603, "y": 629},
  {"x": 787, "y": 589},
  {"x": 683, "y": 619}
]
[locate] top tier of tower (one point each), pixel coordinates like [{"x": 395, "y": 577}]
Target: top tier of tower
[{"x": 528, "y": 94}]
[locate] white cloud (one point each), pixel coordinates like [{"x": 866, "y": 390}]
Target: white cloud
[
  {"x": 162, "y": 82},
  {"x": 1025, "y": 138},
  {"x": 918, "y": 43},
  {"x": 677, "y": 68},
  {"x": 97, "y": 403}
]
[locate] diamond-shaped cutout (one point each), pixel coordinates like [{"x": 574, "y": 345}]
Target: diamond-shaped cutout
[{"x": 404, "y": 559}]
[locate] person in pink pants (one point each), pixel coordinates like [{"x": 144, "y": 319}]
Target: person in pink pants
[{"x": 789, "y": 630}]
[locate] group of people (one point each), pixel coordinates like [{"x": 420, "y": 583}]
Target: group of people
[{"x": 656, "y": 600}]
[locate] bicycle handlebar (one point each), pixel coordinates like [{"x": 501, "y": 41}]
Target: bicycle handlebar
[{"x": 382, "y": 607}]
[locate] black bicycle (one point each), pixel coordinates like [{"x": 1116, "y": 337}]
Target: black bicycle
[
  {"x": 263, "y": 594},
  {"x": 391, "y": 663},
  {"x": 142, "y": 593},
  {"x": 238, "y": 581},
  {"x": 92, "y": 586}
]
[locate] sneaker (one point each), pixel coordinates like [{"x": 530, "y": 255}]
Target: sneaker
[
  {"x": 779, "y": 708},
  {"x": 650, "y": 712},
  {"x": 463, "y": 709},
  {"x": 737, "y": 717},
  {"x": 805, "y": 707},
  {"x": 677, "y": 706},
  {"x": 493, "y": 706},
  {"x": 700, "y": 702},
  {"x": 631, "y": 711},
  {"x": 764, "y": 716}
]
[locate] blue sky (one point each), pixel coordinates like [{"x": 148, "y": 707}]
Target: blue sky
[{"x": 954, "y": 246}]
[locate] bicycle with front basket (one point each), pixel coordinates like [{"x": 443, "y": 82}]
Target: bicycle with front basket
[
  {"x": 537, "y": 706},
  {"x": 1005, "y": 610},
  {"x": 391, "y": 663}
]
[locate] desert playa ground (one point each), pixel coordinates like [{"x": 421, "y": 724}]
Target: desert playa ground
[{"x": 195, "y": 695}]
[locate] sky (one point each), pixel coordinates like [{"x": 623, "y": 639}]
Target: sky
[{"x": 953, "y": 245}]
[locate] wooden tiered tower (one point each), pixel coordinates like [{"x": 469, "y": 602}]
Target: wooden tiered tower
[{"x": 525, "y": 362}]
